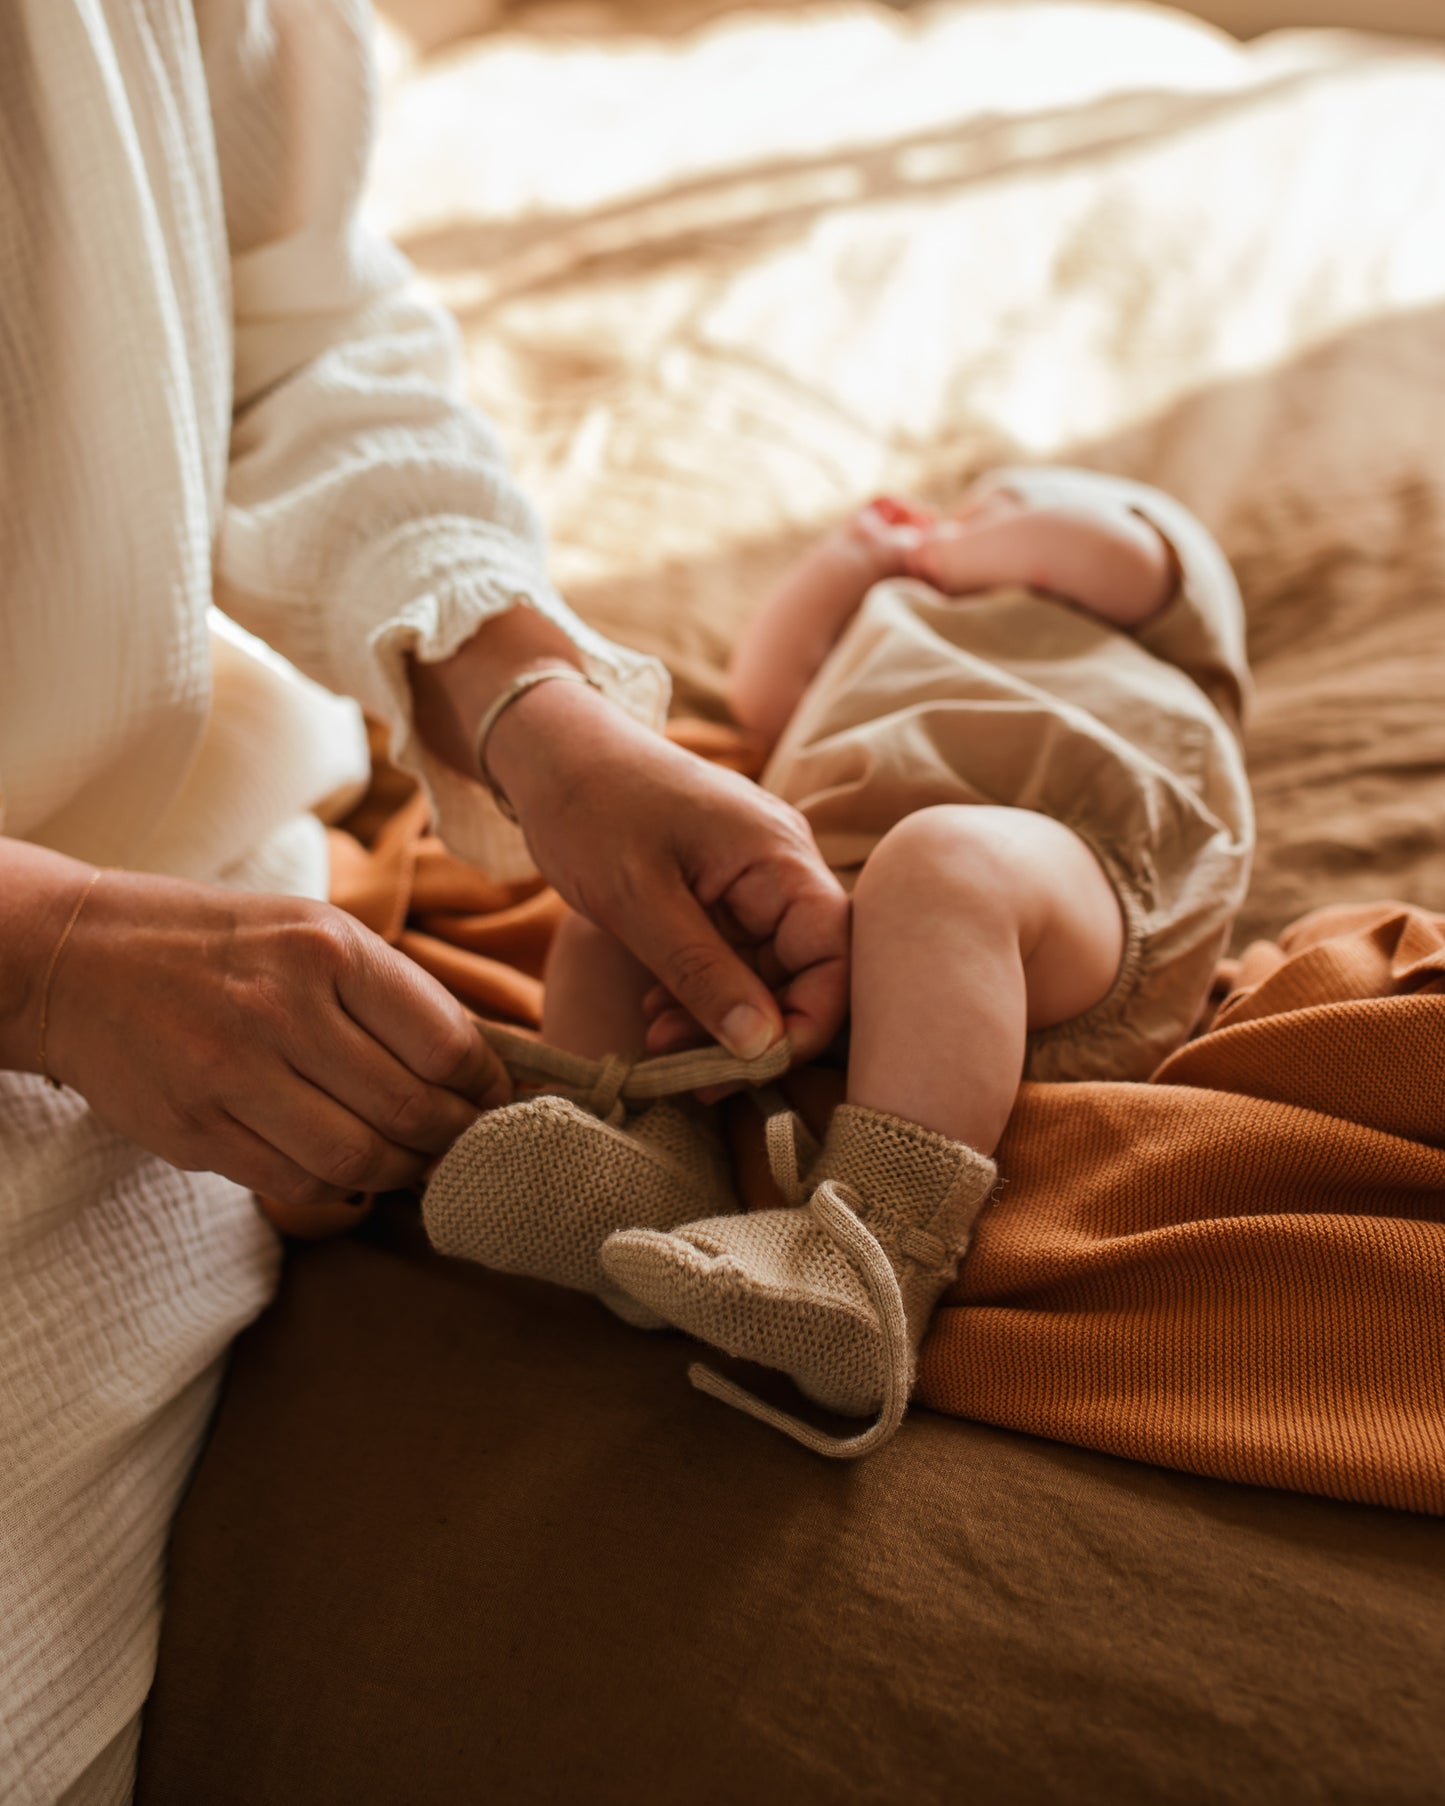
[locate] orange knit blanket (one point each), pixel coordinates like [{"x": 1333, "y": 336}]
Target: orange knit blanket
[{"x": 1237, "y": 1269}]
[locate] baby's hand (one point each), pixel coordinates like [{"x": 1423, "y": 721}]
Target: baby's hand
[
  {"x": 884, "y": 534},
  {"x": 1101, "y": 556}
]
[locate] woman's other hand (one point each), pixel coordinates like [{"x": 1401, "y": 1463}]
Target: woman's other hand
[{"x": 271, "y": 1039}]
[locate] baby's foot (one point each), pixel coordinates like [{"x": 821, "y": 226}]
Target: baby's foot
[
  {"x": 537, "y": 1187},
  {"x": 836, "y": 1294},
  {"x": 1097, "y": 552}
]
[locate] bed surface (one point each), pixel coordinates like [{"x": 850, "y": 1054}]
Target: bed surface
[
  {"x": 721, "y": 277},
  {"x": 459, "y": 1538}
]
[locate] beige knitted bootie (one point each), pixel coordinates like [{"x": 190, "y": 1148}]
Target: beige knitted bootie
[
  {"x": 838, "y": 1293},
  {"x": 537, "y": 1187}
]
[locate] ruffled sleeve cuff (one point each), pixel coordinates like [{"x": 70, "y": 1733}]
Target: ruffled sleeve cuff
[{"x": 459, "y": 574}]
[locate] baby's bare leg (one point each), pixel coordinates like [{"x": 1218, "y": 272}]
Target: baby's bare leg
[
  {"x": 971, "y": 925},
  {"x": 594, "y": 992}
]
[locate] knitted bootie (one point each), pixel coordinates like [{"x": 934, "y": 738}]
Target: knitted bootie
[
  {"x": 537, "y": 1187},
  {"x": 837, "y": 1294}
]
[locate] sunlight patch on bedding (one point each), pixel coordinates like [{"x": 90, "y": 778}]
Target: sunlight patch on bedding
[
  {"x": 516, "y": 124},
  {"x": 718, "y": 287}
]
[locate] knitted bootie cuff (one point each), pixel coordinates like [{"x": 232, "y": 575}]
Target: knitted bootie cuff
[{"x": 912, "y": 1184}]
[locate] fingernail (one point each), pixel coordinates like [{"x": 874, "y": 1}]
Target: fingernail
[
  {"x": 747, "y": 1033},
  {"x": 890, "y": 509}
]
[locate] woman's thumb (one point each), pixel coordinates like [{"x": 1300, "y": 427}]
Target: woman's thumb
[{"x": 720, "y": 990}]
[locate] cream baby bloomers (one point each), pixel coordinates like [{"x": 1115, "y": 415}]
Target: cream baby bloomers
[{"x": 1016, "y": 699}]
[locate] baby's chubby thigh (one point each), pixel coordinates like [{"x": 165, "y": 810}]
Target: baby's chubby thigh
[{"x": 956, "y": 881}]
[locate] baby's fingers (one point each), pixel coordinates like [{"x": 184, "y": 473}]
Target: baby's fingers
[{"x": 988, "y": 502}]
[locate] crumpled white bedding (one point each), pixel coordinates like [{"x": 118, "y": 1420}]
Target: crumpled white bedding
[{"x": 720, "y": 280}]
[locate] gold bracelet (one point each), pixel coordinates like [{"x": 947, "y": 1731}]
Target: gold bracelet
[
  {"x": 519, "y": 686},
  {"x": 55, "y": 953}
]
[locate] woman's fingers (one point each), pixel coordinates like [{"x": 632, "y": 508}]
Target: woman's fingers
[
  {"x": 672, "y": 933},
  {"x": 384, "y": 1072},
  {"x": 271, "y": 1039},
  {"x": 783, "y": 919},
  {"x": 799, "y": 925},
  {"x": 254, "y": 1161},
  {"x": 674, "y": 1030},
  {"x": 327, "y": 1141},
  {"x": 647, "y": 841},
  {"x": 351, "y": 1065},
  {"x": 804, "y": 967},
  {"x": 418, "y": 1021},
  {"x": 657, "y": 1000}
]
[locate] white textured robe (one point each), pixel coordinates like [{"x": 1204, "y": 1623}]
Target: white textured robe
[{"x": 215, "y": 389}]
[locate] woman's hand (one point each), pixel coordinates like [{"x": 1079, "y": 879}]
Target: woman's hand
[
  {"x": 715, "y": 885},
  {"x": 271, "y": 1039}
]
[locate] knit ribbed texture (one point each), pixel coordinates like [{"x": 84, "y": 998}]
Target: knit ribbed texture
[
  {"x": 773, "y": 1287},
  {"x": 538, "y": 1187},
  {"x": 121, "y": 1283},
  {"x": 1238, "y": 1269},
  {"x": 914, "y": 1188}
]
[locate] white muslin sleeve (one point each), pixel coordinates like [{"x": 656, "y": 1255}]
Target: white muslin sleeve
[{"x": 369, "y": 513}]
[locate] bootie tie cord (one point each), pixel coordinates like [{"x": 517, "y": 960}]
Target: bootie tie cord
[
  {"x": 834, "y": 1209},
  {"x": 606, "y": 1086},
  {"x": 792, "y": 1149}
]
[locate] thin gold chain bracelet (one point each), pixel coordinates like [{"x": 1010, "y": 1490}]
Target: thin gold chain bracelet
[
  {"x": 519, "y": 686},
  {"x": 55, "y": 954}
]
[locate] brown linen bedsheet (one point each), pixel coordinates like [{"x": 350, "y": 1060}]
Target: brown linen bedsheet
[
  {"x": 457, "y": 1537},
  {"x": 460, "y": 1539}
]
